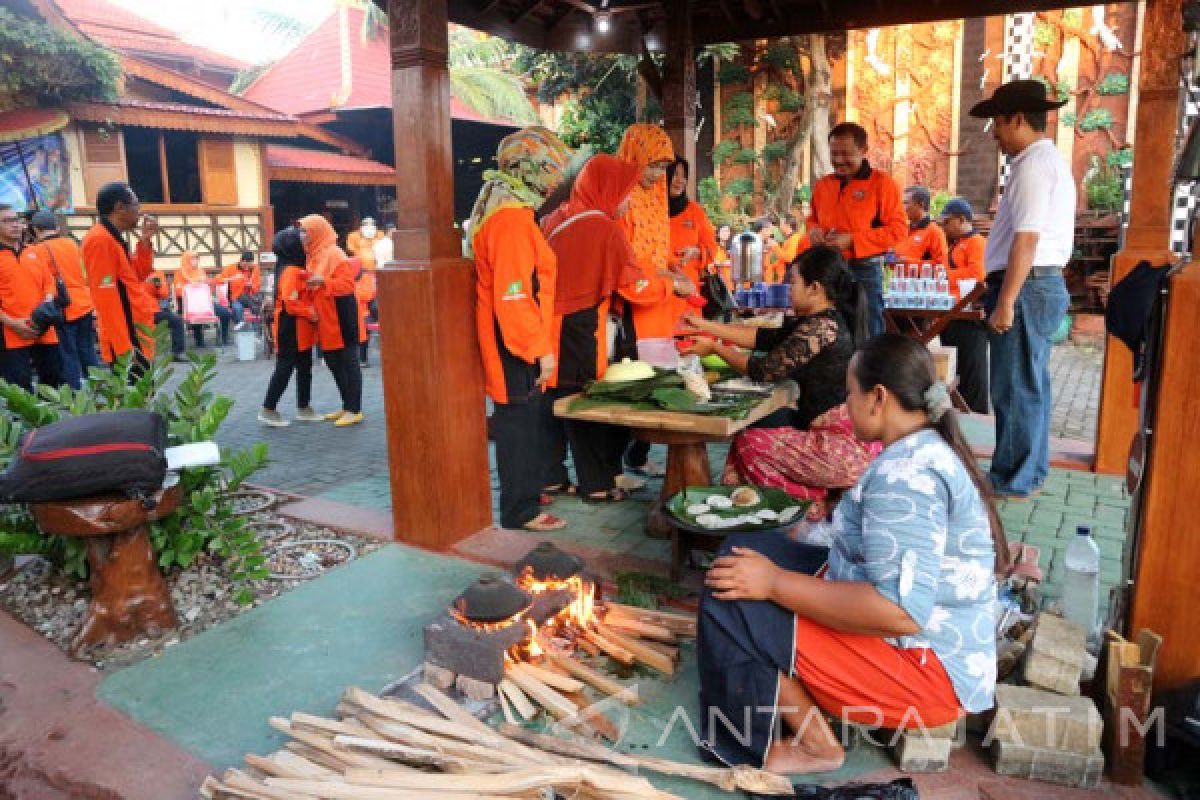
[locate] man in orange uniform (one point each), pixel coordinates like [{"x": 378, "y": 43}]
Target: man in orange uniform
[
  {"x": 859, "y": 211},
  {"x": 966, "y": 262},
  {"x": 160, "y": 287},
  {"x": 245, "y": 282},
  {"x": 28, "y": 343},
  {"x": 117, "y": 278},
  {"x": 77, "y": 334},
  {"x": 926, "y": 242},
  {"x": 794, "y": 243}
]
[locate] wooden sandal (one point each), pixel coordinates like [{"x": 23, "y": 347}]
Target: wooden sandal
[{"x": 545, "y": 522}]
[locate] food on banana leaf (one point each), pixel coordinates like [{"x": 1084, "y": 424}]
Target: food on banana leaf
[
  {"x": 628, "y": 370},
  {"x": 744, "y": 497}
]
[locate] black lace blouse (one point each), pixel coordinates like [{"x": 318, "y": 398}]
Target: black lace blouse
[{"x": 814, "y": 351}]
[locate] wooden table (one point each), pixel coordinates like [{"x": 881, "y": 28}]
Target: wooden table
[
  {"x": 924, "y": 324},
  {"x": 686, "y": 437}
]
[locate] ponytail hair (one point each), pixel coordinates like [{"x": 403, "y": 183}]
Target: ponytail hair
[
  {"x": 905, "y": 368},
  {"x": 825, "y": 265}
]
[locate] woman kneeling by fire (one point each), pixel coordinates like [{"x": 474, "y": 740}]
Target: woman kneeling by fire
[{"x": 896, "y": 631}]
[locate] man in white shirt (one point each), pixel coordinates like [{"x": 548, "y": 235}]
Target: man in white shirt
[{"x": 1030, "y": 242}]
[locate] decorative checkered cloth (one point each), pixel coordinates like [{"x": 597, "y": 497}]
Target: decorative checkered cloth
[{"x": 1018, "y": 63}]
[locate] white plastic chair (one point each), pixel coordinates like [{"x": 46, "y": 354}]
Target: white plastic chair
[{"x": 198, "y": 308}]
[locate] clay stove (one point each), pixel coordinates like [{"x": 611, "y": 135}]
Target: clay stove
[{"x": 498, "y": 617}]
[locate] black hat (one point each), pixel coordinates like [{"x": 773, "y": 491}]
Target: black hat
[
  {"x": 1016, "y": 96},
  {"x": 43, "y": 221}
]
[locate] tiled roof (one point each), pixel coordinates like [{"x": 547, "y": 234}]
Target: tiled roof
[
  {"x": 285, "y": 157},
  {"x": 184, "y": 108},
  {"x": 308, "y": 79},
  {"x": 115, "y": 27}
]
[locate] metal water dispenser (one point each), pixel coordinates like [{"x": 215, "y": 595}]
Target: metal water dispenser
[{"x": 746, "y": 251}]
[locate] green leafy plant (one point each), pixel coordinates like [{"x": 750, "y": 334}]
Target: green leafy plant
[
  {"x": 1120, "y": 158},
  {"x": 733, "y": 73},
  {"x": 40, "y": 64},
  {"x": 1104, "y": 186},
  {"x": 738, "y": 112},
  {"x": 642, "y": 589},
  {"x": 708, "y": 192},
  {"x": 725, "y": 150},
  {"x": 773, "y": 151},
  {"x": 1114, "y": 83},
  {"x": 1095, "y": 120},
  {"x": 803, "y": 194},
  {"x": 743, "y": 190},
  {"x": 938, "y": 202},
  {"x": 782, "y": 55},
  {"x": 745, "y": 156},
  {"x": 205, "y": 519}
]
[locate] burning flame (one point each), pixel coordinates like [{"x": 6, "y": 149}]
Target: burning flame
[
  {"x": 582, "y": 608},
  {"x": 487, "y": 627},
  {"x": 534, "y": 649}
]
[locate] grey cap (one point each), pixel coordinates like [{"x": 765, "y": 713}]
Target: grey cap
[
  {"x": 43, "y": 221},
  {"x": 920, "y": 195}
]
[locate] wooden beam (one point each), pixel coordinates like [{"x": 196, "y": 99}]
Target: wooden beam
[
  {"x": 488, "y": 7},
  {"x": 560, "y": 16},
  {"x": 724, "y": 4},
  {"x": 529, "y": 8}
]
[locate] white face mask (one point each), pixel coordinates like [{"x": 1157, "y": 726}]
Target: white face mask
[{"x": 369, "y": 231}]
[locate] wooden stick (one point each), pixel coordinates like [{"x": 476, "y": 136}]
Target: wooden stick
[
  {"x": 666, "y": 649},
  {"x": 543, "y": 695},
  {"x": 452, "y": 710},
  {"x": 271, "y": 766},
  {"x": 647, "y": 655},
  {"x": 415, "y": 756},
  {"x": 589, "y": 648},
  {"x": 552, "y": 679},
  {"x": 677, "y": 622},
  {"x": 406, "y": 735},
  {"x": 326, "y": 727},
  {"x": 299, "y": 763},
  {"x": 421, "y": 719},
  {"x": 328, "y": 790},
  {"x": 611, "y": 649},
  {"x": 506, "y": 708},
  {"x": 241, "y": 782},
  {"x": 517, "y": 697},
  {"x": 596, "y": 679},
  {"x": 325, "y": 745},
  {"x": 315, "y": 756},
  {"x": 559, "y": 777},
  {"x": 635, "y": 627}
]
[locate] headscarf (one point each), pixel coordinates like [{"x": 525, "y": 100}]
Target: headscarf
[
  {"x": 530, "y": 165},
  {"x": 189, "y": 268},
  {"x": 320, "y": 248},
  {"x": 288, "y": 248},
  {"x": 677, "y": 205},
  {"x": 594, "y": 257},
  {"x": 647, "y": 223}
]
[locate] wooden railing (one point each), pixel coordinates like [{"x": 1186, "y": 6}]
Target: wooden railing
[{"x": 216, "y": 236}]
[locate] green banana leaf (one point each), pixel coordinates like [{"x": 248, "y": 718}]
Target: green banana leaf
[{"x": 776, "y": 500}]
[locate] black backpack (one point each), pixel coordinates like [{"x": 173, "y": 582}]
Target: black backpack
[{"x": 114, "y": 451}]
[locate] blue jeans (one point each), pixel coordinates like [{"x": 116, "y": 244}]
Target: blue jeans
[
  {"x": 868, "y": 273},
  {"x": 77, "y": 347},
  {"x": 1020, "y": 378},
  {"x": 239, "y": 312}
]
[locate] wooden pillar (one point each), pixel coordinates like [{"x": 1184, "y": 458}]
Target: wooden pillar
[
  {"x": 432, "y": 374},
  {"x": 679, "y": 85},
  {"x": 1149, "y": 231}
]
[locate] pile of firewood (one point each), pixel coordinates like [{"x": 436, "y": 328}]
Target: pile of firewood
[{"x": 383, "y": 748}]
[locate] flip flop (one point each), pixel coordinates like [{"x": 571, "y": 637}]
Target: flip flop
[
  {"x": 544, "y": 522},
  {"x": 617, "y": 495},
  {"x": 560, "y": 488}
]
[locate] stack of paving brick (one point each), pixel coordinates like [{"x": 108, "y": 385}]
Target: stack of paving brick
[{"x": 1046, "y": 731}]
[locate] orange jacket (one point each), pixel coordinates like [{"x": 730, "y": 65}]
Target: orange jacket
[
  {"x": 189, "y": 271},
  {"x": 966, "y": 260},
  {"x": 161, "y": 291},
  {"x": 869, "y": 206},
  {"x": 783, "y": 255},
  {"x": 692, "y": 229},
  {"x": 925, "y": 244},
  {"x": 238, "y": 282},
  {"x": 363, "y": 248},
  {"x": 296, "y": 300},
  {"x": 364, "y": 292},
  {"x": 516, "y": 273},
  {"x": 61, "y": 255},
  {"x": 119, "y": 290},
  {"x": 24, "y": 285},
  {"x": 327, "y": 260}
]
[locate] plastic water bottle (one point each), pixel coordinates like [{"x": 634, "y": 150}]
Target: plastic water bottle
[{"x": 1081, "y": 590}]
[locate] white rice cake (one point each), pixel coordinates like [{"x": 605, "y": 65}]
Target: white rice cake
[
  {"x": 719, "y": 501},
  {"x": 696, "y": 509},
  {"x": 709, "y": 521},
  {"x": 788, "y": 514}
]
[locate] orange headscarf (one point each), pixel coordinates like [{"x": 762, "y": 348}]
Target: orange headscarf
[
  {"x": 320, "y": 246},
  {"x": 647, "y": 223}
]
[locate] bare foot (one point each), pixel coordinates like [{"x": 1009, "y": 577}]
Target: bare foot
[{"x": 787, "y": 757}]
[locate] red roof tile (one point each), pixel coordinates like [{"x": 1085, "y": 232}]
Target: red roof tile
[
  {"x": 283, "y": 157},
  {"x": 308, "y": 79},
  {"x": 184, "y": 108},
  {"x": 115, "y": 27}
]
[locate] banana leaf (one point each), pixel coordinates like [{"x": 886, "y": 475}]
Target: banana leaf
[{"x": 776, "y": 500}]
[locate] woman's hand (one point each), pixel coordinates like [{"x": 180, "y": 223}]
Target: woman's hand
[
  {"x": 700, "y": 347},
  {"x": 315, "y": 282},
  {"x": 687, "y": 254},
  {"x": 743, "y": 575},
  {"x": 692, "y": 323}
]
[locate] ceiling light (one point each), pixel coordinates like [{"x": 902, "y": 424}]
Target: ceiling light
[{"x": 603, "y": 22}]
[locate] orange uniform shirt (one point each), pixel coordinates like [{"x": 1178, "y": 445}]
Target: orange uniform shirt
[
  {"x": 119, "y": 290},
  {"x": 691, "y": 228},
  {"x": 61, "y": 255},
  {"x": 516, "y": 273},
  {"x": 296, "y": 300},
  {"x": 924, "y": 244},
  {"x": 238, "y": 281},
  {"x": 23, "y": 287},
  {"x": 364, "y": 292},
  {"x": 869, "y": 206},
  {"x": 162, "y": 290},
  {"x": 966, "y": 261},
  {"x": 362, "y": 248},
  {"x": 188, "y": 272},
  {"x": 783, "y": 255}
]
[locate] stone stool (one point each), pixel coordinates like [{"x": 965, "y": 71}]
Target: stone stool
[{"x": 129, "y": 594}]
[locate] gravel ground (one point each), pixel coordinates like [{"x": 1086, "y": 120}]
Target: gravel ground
[{"x": 54, "y": 605}]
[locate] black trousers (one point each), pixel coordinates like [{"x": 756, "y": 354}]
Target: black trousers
[
  {"x": 518, "y": 431},
  {"x": 638, "y": 452},
  {"x": 343, "y": 364},
  {"x": 971, "y": 339},
  {"x": 595, "y": 448},
  {"x": 288, "y": 359},
  {"x": 175, "y": 325}
]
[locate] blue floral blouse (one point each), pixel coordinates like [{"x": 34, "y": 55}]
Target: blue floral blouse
[{"x": 916, "y": 528}]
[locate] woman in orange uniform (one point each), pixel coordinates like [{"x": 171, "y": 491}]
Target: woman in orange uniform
[
  {"x": 295, "y": 332},
  {"x": 331, "y": 277},
  {"x": 364, "y": 293},
  {"x": 595, "y": 260},
  {"x": 191, "y": 273},
  {"x": 516, "y": 274},
  {"x": 125, "y": 306},
  {"x": 693, "y": 240},
  {"x": 652, "y": 306}
]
